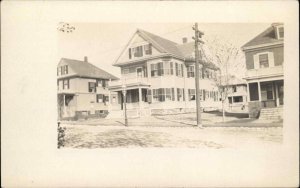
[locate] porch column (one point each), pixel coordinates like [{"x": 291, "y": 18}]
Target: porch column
[
  {"x": 259, "y": 92},
  {"x": 277, "y": 95},
  {"x": 109, "y": 100},
  {"x": 64, "y": 106},
  {"x": 140, "y": 98},
  {"x": 248, "y": 93}
]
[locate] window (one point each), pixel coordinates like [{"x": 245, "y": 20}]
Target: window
[
  {"x": 266, "y": 91},
  {"x": 66, "y": 84},
  {"x": 92, "y": 87},
  {"x": 190, "y": 71},
  {"x": 61, "y": 70},
  {"x": 163, "y": 94},
  {"x": 253, "y": 90},
  {"x": 234, "y": 88},
  {"x": 100, "y": 98},
  {"x": 66, "y": 69},
  {"x": 114, "y": 99},
  {"x": 125, "y": 71},
  {"x": 155, "y": 95},
  {"x": 168, "y": 94},
  {"x": 148, "y": 49},
  {"x": 230, "y": 100},
  {"x": 160, "y": 67},
  {"x": 168, "y": 68},
  {"x": 154, "y": 70},
  {"x": 238, "y": 99},
  {"x": 192, "y": 94},
  {"x": 180, "y": 94},
  {"x": 149, "y": 97},
  {"x": 137, "y": 51},
  {"x": 263, "y": 60},
  {"x": 280, "y": 32}
]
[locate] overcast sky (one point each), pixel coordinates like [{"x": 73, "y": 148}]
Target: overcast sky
[{"x": 103, "y": 42}]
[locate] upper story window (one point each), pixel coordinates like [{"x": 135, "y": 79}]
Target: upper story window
[
  {"x": 162, "y": 68},
  {"x": 234, "y": 88},
  {"x": 263, "y": 60},
  {"x": 62, "y": 70},
  {"x": 190, "y": 71},
  {"x": 148, "y": 49},
  {"x": 66, "y": 84},
  {"x": 179, "y": 69},
  {"x": 138, "y": 51},
  {"x": 92, "y": 87},
  {"x": 102, "y": 83}
]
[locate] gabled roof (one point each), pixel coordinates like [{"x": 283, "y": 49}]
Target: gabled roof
[
  {"x": 267, "y": 36},
  {"x": 184, "y": 51},
  {"x": 167, "y": 45},
  {"x": 86, "y": 69}
]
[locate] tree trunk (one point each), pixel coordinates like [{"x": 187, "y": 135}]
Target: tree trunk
[{"x": 223, "y": 110}]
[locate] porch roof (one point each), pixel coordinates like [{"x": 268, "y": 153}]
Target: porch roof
[{"x": 118, "y": 87}]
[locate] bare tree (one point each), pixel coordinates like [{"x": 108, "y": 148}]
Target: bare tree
[{"x": 229, "y": 59}]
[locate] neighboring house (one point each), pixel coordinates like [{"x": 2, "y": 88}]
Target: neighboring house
[
  {"x": 82, "y": 89},
  {"x": 264, "y": 76},
  {"x": 236, "y": 94},
  {"x": 159, "y": 76}
]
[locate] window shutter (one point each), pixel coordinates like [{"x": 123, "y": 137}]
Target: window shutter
[
  {"x": 176, "y": 68},
  {"x": 173, "y": 94},
  {"x": 183, "y": 95},
  {"x": 158, "y": 69},
  {"x": 171, "y": 67},
  {"x": 256, "y": 61},
  {"x": 129, "y": 52},
  {"x": 182, "y": 70},
  {"x": 271, "y": 59}
]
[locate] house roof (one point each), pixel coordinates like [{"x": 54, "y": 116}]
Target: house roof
[
  {"x": 86, "y": 69},
  {"x": 184, "y": 51},
  {"x": 267, "y": 36},
  {"x": 167, "y": 45},
  {"x": 232, "y": 80}
]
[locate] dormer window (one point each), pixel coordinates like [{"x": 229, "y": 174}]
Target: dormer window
[{"x": 280, "y": 31}]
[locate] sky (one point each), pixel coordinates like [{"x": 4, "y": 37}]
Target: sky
[{"x": 102, "y": 43}]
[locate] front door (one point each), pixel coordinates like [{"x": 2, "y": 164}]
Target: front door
[{"x": 280, "y": 92}]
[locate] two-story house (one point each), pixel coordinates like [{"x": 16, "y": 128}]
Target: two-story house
[
  {"x": 158, "y": 75},
  {"x": 83, "y": 90},
  {"x": 264, "y": 62}
]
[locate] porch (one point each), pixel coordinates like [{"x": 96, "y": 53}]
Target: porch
[
  {"x": 136, "y": 96},
  {"x": 66, "y": 105},
  {"x": 265, "y": 94}
]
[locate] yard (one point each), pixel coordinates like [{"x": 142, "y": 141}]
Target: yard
[{"x": 173, "y": 131}]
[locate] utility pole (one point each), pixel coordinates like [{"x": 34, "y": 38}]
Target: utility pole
[{"x": 197, "y": 38}]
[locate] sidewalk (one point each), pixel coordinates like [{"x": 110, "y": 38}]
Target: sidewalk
[{"x": 179, "y": 120}]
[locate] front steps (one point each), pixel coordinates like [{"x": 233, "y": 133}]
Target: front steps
[{"x": 275, "y": 114}]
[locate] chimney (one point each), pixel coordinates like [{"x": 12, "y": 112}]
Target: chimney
[
  {"x": 184, "y": 40},
  {"x": 85, "y": 59}
]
